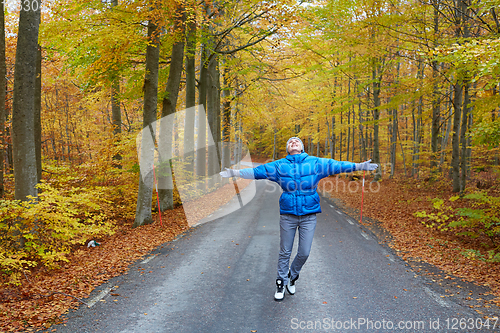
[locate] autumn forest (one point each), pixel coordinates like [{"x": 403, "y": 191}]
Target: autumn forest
[{"x": 412, "y": 85}]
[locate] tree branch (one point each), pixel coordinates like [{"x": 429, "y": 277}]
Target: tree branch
[{"x": 269, "y": 33}]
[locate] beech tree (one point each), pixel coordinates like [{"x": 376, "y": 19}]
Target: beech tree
[
  {"x": 37, "y": 119},
  {"x": 23, "y": 105},
  {"x": 115, "y": 104},
  {"x": 169, "y": 105},
  {"x": 190, "y": 84},
  {"x": 3, "y": 88},
  {"x": 145, "y": 192}
]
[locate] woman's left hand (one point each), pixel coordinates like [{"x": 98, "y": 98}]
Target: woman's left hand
[{"x": 367, "y": 166}]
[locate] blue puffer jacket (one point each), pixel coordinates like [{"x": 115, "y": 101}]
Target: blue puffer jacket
[{"x": 298, "y": 175}]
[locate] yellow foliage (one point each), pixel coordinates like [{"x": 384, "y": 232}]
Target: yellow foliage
[
  {"x": 43, "y": 230},
  {"x": 76, "y": 203}
]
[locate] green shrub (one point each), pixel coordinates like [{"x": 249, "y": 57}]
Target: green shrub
[{"x": 480, "y": 217}]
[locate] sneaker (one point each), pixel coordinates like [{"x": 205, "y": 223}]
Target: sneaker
[
  {"x": 290, "y": 287},
  {"x": 280, "y": 290}
]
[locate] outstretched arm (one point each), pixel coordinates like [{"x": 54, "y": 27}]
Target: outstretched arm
[
  {"x": 329, "y": 167},
  {"x": 264, "y": 171},
  {"x": 243, "y": 173}
]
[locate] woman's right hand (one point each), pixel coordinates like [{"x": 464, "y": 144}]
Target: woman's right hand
[{"x": 229, "y": 173}]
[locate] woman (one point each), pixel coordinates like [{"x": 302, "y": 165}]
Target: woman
[{"x": 298, "y": 175}]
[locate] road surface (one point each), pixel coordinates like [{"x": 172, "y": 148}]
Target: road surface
[{"x": 220, "y": 277}]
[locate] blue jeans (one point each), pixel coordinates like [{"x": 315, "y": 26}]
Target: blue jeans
[{"x": 288, "y": 226}]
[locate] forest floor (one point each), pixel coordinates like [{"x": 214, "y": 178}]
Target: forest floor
[
  {"x": 392, "y": 203},
  {"x": 45, "y": 295}
]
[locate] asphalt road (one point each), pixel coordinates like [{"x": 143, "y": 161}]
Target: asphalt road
[{"x": 220, "y": 277}]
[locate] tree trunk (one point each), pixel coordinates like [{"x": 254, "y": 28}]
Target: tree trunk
[
  {"x": 348, "y": 135},
  {"x": 226, "y": 121},
  {"x": 394, "y": 139},
  {"x": 455, "y": 156},
  {"x": 169, "y": 103},
  {"x": 190, "y": 88},
  {"x": 238, "y": 137},
  {"x": 348, "y": 118},
  {"x": 327, "y": 140},
  {"x": 145, "y": 192},
  {"x": 402, "y": 150},
  {"x": 213, "y": 110},
  {"x": 362, "y": 138},
  {"x": 66, "y": 128},
  {"x": 353, "y": 145},
  {"x": 445, "y": 138},
  {"x": 417, "y": 125},
  {"x": 201, "y": 150},
  {"x": 318, "y": 146},
  {"x": 436, "y": 112},
  {"x": 395, "y": 125},
  {"x": 340, "y": 136},
  {"x": 377, "y": 78},
  {"x": 463, "y": 137},
  {"x": 368, "y": 138},
  {"x": 115, "y": 109},
  {"x": 332, "y": 145},
  {"x": 38, "y": 114},
  {"x": 116, "y": 117},
  {"x": 464, "y": 5},
  {"x": 218, "y": 118},
  {"x": 460, "y": 12},
  {"x": 496, "y": 158},
  {"x": 3, "y": 90},
  {"x": 176, "y": 60},
  {"x": 23, "y": 106}
]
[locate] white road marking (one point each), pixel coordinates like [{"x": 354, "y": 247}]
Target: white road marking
[
  {"x": 338, "y": 211},
  {"x": 385, "y": 253},
  {"x": 365, "y": 235},
  {"x": 148, "y": 259},
  {"x": 436, "y": 297},
  {"x": 350, "y": 221},
  {"x": 331, "y": 206},
  {"x": 99, "y": 297}
]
